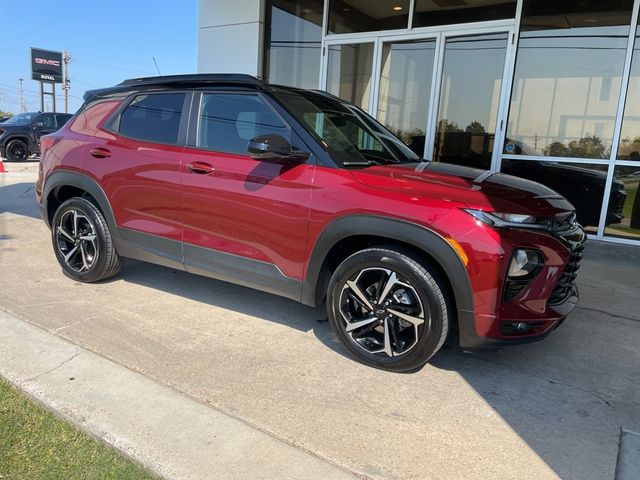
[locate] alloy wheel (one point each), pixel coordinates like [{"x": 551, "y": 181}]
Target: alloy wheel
[
  {"x": 382, "y": 312},
  {"x": 76, "y": 240},
  {"x": 18, "y": 152}
]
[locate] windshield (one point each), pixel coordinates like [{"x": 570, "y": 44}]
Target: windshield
[
  {"x": 352, "y": 138},
  {"x": 20, "y": 119}
]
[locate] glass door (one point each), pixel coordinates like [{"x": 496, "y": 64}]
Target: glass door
[
  {"x": 405, "y": 89},
  {"x": 470, "y": 98},
  {"x": 442, "y": 93}
]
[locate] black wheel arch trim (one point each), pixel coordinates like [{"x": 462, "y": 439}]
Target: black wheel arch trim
[
  {"x": 67, "y": 178},
  {"x": 417, "y": 236}
]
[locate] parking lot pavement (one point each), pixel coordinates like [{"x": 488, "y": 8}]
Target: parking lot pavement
[{"x": 545, "y": 410}]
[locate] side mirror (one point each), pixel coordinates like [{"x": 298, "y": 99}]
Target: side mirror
[
  {"x": 38, "y": 124},
  {"x": 275, "y": 148}
]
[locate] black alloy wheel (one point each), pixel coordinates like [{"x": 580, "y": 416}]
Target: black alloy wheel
[
  {"x": 82, "y": 241},
  {"x": 17, "y": 151},
  {"x": 389, "y": 308}
]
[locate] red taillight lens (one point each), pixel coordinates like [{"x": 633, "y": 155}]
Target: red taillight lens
[{"x": 47, "y": 142}]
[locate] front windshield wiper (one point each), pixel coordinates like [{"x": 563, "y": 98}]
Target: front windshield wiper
[{"x": 368, "y": 163}]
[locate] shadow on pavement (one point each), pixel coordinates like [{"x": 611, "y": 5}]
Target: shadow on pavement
[{"x": 19, "y": 198}]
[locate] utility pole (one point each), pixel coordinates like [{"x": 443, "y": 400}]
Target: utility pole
[
  {"x": 66, "y": 58},
  {"x": 23, "y": 107}
]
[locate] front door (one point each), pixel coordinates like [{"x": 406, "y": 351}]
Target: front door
[{"x": 244, "y": 217}]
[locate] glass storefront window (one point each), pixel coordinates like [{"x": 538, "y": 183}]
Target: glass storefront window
[
  {"x": 469, "y": 99},
  {"x": 349, "y": 16},
  {"x": 626, "y": 203},
  {"x": 583, "y": 185},
  {"x": 405, "y": 90},
  {"x": 294, "y": 43},
  {"x": 629, "y": 148},
  {"x": 349, "y": 72},
  {"x": 567, "y": 78},
  {"x": 429, "y": 13}
]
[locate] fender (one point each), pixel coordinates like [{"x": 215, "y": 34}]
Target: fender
[
  {"x": 412, "y": 234},
  {"x": 62, "y": 178}
]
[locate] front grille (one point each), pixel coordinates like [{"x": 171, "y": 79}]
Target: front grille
[{"x": 567, "y": 280}]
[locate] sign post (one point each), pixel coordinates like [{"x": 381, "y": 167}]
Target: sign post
[{"x": 46, "y": 67}]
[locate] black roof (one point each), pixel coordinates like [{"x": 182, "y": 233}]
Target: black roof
[{"x": 198, "y": 78}]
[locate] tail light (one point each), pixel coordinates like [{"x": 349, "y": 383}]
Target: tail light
[{"x": 47, "y": 142}]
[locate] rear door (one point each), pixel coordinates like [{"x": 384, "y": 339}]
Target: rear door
[
  {"x": 137, "y": 163},
  {"x": 243, "y": 217}
]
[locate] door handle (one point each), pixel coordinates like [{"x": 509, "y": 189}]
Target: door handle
[
  {"x": 201, "y": 168},
  {"x": 100, "y": 152}
]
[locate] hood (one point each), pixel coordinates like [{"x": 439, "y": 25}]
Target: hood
[{"x": 477, "y": 189}]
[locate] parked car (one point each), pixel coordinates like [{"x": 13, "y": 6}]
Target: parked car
[
  {"x": 20, "y": 134},
  {"x": 2, "y": 119},
  {"x": 301, "y": 194}
]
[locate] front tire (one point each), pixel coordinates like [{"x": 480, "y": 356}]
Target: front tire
[
  {"x": 82, "y": 242},
  {"x": 17, "y": 151},
  {"x": 389, "y": 308}
]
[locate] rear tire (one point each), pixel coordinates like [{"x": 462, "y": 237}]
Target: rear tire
[
  {"x": 17, "y": 151},
  {"x": 389, "y": 308},
  {"x": 82, "y": 242}
]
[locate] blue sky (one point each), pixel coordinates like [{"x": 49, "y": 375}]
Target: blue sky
[{"x": 108, "y": 42}]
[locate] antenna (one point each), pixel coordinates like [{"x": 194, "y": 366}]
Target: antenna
[{"x": 156, "y": 63}]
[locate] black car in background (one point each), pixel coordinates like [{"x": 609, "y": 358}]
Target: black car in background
[{"x": 20, "y": 134}]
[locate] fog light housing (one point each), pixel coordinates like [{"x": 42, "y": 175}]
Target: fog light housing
[
  {"x": 523, "y": 267},
  {"x": 524, "y": 262}
]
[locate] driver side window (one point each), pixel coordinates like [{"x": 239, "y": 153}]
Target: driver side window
[
  {"x": 48, "y": 120},
  {"x": 228, "y": 121}
]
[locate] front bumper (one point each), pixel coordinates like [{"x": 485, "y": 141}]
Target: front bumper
[{"x": 541, "y": 307}]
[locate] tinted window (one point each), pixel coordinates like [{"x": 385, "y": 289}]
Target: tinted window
[
  {"x": 63, "y": 118},
  {"x": 154, "y": 118},
  {"x": 445, "y": 12},
  {"x": 48, "y": 120},
  {"x": 228, "y": 121},
  {"x": 567, "y": 79},
  {"x": 361, "y": 16},
  {"x": 293, "y": 46}
]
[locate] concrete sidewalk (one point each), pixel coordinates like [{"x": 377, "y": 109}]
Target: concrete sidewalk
[{"x": 166, "y": 431}]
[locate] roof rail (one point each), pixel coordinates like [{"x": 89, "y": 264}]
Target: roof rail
[{"x": 239, "y": 78}]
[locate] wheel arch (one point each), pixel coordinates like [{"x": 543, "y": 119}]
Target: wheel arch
[
  {"x": 64, "y": 184},
  {"x": 19, "y": 136},
  {"x": 363, "y": 231}
]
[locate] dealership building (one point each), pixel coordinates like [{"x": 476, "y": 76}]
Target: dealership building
[{"x": 543, "y": 89}]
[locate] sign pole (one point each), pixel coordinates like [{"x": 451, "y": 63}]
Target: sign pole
[
  {"x": 53, "y": 94},
  {"x": 42, "y": 96}
]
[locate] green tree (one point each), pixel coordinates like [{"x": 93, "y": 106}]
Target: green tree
[
  {"x": 475, "y": 127},
  {"x": 5, "y": 114}
]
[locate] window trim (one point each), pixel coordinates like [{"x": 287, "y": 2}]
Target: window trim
[
  {"x": 112, "y": 124},
  {"x": 194, "y": 118}
]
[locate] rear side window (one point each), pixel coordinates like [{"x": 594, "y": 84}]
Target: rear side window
[
  {"x": 153, "y": 117},
  {"x": 228, "y": 121},
  {"x": 62, "y": 118}
]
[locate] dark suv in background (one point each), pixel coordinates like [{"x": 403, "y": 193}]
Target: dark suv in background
[
  {"x": 301, "y": 194},
  {"x": 20, "y": 134}
]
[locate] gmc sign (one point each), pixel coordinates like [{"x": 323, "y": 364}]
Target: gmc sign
[{"x": 46, "y": 65}]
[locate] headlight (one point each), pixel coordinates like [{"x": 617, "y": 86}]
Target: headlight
[{"x": 516, "y": 220}]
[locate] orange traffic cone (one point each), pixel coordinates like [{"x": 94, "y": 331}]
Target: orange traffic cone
[{"x": 2, "y": 169}]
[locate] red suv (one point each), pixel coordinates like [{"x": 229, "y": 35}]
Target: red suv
[{"x": 301, "y": 194}]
